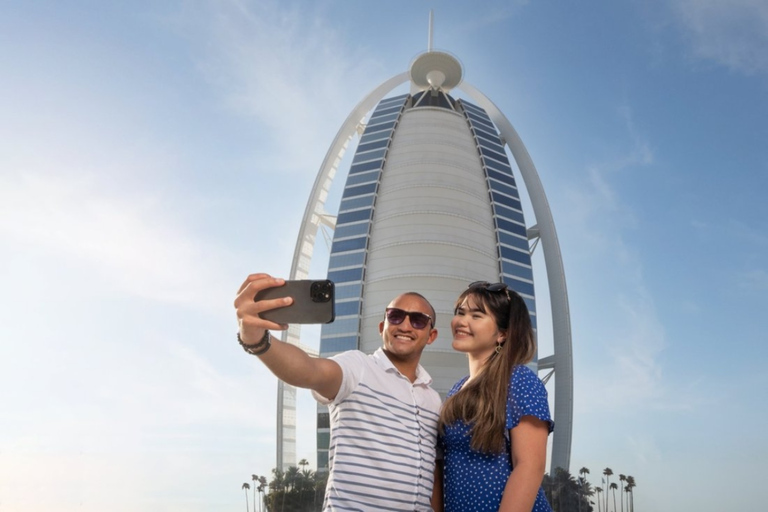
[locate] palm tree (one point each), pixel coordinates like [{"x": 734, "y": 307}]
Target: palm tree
[
  {"x": 245, "y": 487},
  {"x": 292, "y": 477},
  {"x": 278, "y": 482},
  {"x": 303, "y": 480},
  {"x": 627, "y": 490},
  {"x": 623, "y": 479},
  {"x": 565, "y": 490},
  {"x": 631, "y": 485},
  {"x": 613, "y": 488},
  {"x": 261, "y": 489},
  {"x": 255, "y": 479},
  {"x": 583, "y": 472},
  {"x": 598, "y": 490},
  {"x": 607, "y": 472},
  {"x": 585, "y": 492},
  {"x": 321, "y": 479}
]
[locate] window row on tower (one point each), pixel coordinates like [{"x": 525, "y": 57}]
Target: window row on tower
[
  {"x": 511, "y": 233},
  {"x": 359, "y": 179},
  {"x": 350, "y": 241},
  {"x": 346, "y": 267}
]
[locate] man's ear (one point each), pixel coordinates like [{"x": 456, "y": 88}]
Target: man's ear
[
  {"x": 381, "y": 327},
  {"x": 432, "y": 336}
]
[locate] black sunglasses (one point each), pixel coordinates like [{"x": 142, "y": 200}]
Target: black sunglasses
[
  {"x": 491, "y": 287},
  {"x": 395, "y": 316}
]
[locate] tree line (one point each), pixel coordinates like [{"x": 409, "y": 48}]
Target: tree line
[
  {"x": 302, "y": 490},
  {"x": 567, "y": 493},
  {"x": 293, "y": 490}
]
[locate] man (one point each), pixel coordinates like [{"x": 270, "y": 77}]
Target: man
[{"x": 383, "y": 413}]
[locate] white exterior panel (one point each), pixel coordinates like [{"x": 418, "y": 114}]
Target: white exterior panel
[{"x": 432, "y": 230}]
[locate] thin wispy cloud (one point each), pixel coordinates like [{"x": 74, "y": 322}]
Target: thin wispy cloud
[
  {"x": 125, "y": 239},
  {"x": 595, "y": 208},
  {"x": 748, "y": 270},
  {"x": 748, "y": 234},
  {"x": 636, "y": 374},
  {"x": 645, "y": 448},
  {"x": 152, "y": 155},
  {"x": 628, "y": 372},
  {"x": 492, "y": 15},
  {"x": 112, "y": 430},
  {"x": 290, "y": 71},
  {"x": 629, "y": 376},
  {"x": 754, "y": 280},
  {"x": 641, "y": 152},
  {"x": 733, "y": 33}
]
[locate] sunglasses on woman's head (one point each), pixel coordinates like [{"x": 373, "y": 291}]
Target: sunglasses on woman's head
[
  {"x": 491, "y": 287},
  {"x": 395, "y": 316}
]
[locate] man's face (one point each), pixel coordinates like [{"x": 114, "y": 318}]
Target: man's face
[{"x": 403, "y": 341}]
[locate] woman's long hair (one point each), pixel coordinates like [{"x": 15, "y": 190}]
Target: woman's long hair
[{"x": 482, "y": 402}]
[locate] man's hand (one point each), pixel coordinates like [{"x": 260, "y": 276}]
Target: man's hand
[
  {"x": 288, "y": 362},
  {"x": 252, "y": 326}
]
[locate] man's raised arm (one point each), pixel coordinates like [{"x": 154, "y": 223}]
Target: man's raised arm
[{"x": 288, "y": 362}]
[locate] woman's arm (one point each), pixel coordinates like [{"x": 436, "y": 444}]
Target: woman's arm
[{"x": 529, "y": 454}]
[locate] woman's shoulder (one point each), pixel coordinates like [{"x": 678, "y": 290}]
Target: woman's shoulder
[
  {"x": 525, "y": 379},
  {"x": 527, "y": 397},
  {"x": 522, "y": 372},
  {"x": 456, "y": 387}
]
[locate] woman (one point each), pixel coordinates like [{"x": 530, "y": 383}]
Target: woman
[{"x": 495, "y": 422}]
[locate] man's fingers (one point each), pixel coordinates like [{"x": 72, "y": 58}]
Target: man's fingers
[
  {"x": 250, "y": 322},
  {"x": 264, "y": 305},
  {"x": 253, "y": 284},
  {"x": 246, "y": 307},
  {"x": 251, "y": 278}
]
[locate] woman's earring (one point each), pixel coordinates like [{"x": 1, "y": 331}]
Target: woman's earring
[{"x": 498, "y": 348}]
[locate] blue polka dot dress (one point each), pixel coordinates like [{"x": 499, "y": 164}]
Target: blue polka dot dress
[{"x": 474, "y": 481}]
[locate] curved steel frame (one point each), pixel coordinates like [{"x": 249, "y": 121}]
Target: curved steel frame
[
  {"x": 562, "y": 360},
  {"x": 315, "y": 215}
]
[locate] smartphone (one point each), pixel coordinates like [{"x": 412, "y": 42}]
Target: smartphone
[{"x": 313, "y": 302}]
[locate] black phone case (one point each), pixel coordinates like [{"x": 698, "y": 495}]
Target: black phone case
[{"x": 306, "y": 308}]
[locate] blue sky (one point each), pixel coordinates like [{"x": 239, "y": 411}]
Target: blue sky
[{"x": 152, "y": 154}]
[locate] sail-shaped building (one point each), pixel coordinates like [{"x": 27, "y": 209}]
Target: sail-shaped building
[{"x": 431, "y": 203}]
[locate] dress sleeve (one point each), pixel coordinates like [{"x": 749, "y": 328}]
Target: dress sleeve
[
  {"x": 526, "y": 396},
  {"x": 352, "y": 366}
]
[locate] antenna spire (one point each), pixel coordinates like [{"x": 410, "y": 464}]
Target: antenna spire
[{"x": 429, "y": 43}]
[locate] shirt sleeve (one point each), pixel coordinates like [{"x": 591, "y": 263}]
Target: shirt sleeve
[
  {"x": 352, "y": 367},
  {"x": 527, "y": 396}
]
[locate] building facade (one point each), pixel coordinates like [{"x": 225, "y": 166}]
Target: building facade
[{"x": 431, "y": 203}]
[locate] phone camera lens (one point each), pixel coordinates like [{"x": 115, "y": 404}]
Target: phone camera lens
[{"x": 320, "y": 291}]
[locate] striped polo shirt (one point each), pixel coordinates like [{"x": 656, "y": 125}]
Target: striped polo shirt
[{"x": 383, "y": 437}]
